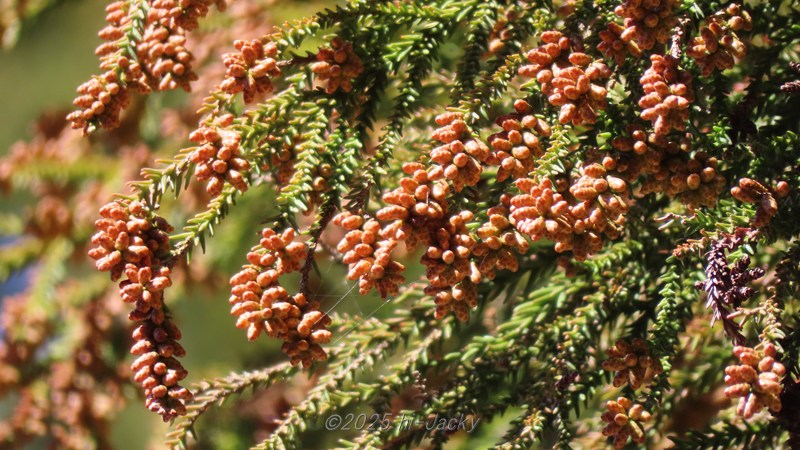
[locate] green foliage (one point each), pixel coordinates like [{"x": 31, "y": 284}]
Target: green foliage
[{"x": 526, "y": 367}]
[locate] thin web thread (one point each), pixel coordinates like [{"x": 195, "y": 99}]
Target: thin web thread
[
  {"x": 362, "y": 320},
  {"x": 346, "y": 294},
  {"x": 338, "y": 301}
]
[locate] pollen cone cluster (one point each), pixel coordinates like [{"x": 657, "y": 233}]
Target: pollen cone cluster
[
  {"x": 517, "y": 147},
  {"x": 576, "y": 213},
  {"x": 134, "y": 242},
  {"x": 164, "y": 56},
  {"x": 181, "y": 14},
  {"x": 625, "y": 420},
  {"x": 145, "y": 50},
  {"x": 668, "y": 95},
  {"x": 162, "y": 50},
  {"x": 718, "y": 47},
  {"x": 337, "y": 66},
  {"x": 613, "y": 46},
  {"x": 460, "y": 156},
  {"x": 694, "y": 181},
  {"x": 570, "y": 79},
  {"x": 417, "y": 205},
  {"x": 664, "y": 166},
  {"x": 449, "y": 269},
  {"x": 751, "y": 191},
  {"x": 367, "y": 252},
  {"x": 261, "y": 304},
  {"x": 502, "y": 31},
  {"x": 632, "y": 363},
  {"x": 647, "y": 22},
  {"x": 217, "y": 157},
  {"x": 103, "y": 97},
  {"x": 101, "y": 100},
  {"x": 250, "y": 69},
  {"x": 281, "y": 162},
  {"x": 756, "y": 382},
  {"x": 498, "y": 242}
]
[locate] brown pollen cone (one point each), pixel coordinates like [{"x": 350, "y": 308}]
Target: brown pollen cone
[
  {"x": 569, "y": 78},
  {"x": 668, "y": 95},
  {"x": 632, "y": 363},
  {"x": 218, "y": 157},
  {"x": 625, "y": 420},
  {"x": 337, "y": 66},
  {"x": 250, "y": 69},
  {"x": 646, "y": 22},
  {"x": 261, "y": 304},
  {"x": 517, "y": 147},
  {"x": 135, "y": 242},
  {"x": 367, "y": 252},
  {"x": 756, "y": 382},
  {"x": 718, "y": 47},
  {"x": 460, "y": 156}
]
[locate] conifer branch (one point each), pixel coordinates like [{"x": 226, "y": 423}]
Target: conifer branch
[
  {"x": 730, "y": 435},
  {"x": 674, "y": 309},
  {"x": 317, "y": 401},
  {"x": 564, "y": 175},
  {"x": 214, "y": 393},
  {"x": 202, "y": 224}
]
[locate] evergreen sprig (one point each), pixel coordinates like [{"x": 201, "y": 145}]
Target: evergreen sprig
[{"x": 374, "y": 149}]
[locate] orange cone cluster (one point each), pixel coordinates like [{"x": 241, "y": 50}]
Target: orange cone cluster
[
  {"x": 250, "y": 69},
  {"x": 668, "y": 95},
  {"x": 625, "y": 420},
  {"x": 460, "y": 156},
  {"x": 261, "y": 304},
  {"x": 718, "y": 47},
  {"x": 417, "y": 204},
  {"x": 694, "y": 181},
  {"x": 498, "y": 239},
  {"x": 181, "y": 14},
  {"x": 281, "y": 164},
  {"x": 516, "y": 148},
  {"x": 614, "y": 46},
  {"x": 502, "y": 31},
  {"x": 168, "y": 63},
  {"x": 217, "y": 157},
  {"x": 568, "y": 78},
  {"x": 134, "y": 242},
  {"x": 418, "y": 214},
  {"x": 647, "y": 22},
  {"x": 140, "y": 54},
  {"x": 128, "y": 235},
  {"x": 112, "y": 57},
  {"x": 320, "y": 174},
  {"x": 756, "y": 382},
  {"x": 751, "y": 191},
  {"x": 449, "y": 269},
  {"x": 632, "y": 363},
  {"x": 337, "y": 66},
  {"x": 642, "y": 153},
  {"x": 367, "y": 251},
  {"x": 575, "y": 215},
  {"x": 162, "y": 49},
  {"x": 103, "y": 97},
  {"x": 667, "y": 168},
  {"x": 156, "y": 369}
]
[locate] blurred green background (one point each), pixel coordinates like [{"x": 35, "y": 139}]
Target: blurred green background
[{"x": 54, "y": 54}]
